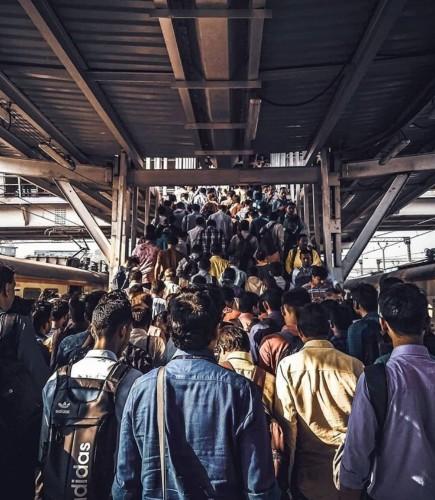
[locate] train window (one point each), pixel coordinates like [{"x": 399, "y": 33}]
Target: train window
[{"x": 31, "y": 293}]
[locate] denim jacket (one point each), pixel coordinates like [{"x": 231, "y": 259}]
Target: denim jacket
[{"x": 217, "y": 445}]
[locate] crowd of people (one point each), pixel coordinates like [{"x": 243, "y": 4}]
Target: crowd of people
[{"x": 225, "y": 362}]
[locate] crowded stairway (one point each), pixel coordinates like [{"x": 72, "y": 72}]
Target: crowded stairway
[{"x": 225, "y": 361}]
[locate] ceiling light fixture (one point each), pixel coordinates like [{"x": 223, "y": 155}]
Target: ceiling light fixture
[
  {"x": 253, "y": 117},
  {"x": 54, "y": 155}
]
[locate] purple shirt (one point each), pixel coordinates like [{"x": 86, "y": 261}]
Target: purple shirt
[{"x": 404, "y": 467}]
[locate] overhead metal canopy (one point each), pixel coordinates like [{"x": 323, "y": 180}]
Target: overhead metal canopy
[{"x": 172, "y": 78}]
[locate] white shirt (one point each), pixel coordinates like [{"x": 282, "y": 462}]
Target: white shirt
[{"x": 96, "y": 364}]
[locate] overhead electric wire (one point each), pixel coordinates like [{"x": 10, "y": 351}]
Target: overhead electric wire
[
  {"x": 307, "y": 101},
  {"x": 40, "y": 205}
]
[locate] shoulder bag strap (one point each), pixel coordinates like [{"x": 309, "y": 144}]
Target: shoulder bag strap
[
  {"x": 376, "y": 380},
  {"x": 259, "y": 377},
  {"x": 161, "y": 425}
]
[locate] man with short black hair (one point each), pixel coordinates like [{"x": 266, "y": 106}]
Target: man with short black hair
[
  {"x": 212, "y": 425},
  {"x": 314, "y": 392},
  {"x": 319, "y": 284},
  {"x": 293, "y": 260},
  {"x": 364, "y": 336},
  {"x": 110, "y": 328},
  {"x": 23, "y": 373},
  {"x": 189, "y": 220},
  {"x": 390, "y": 441},
  {"x": 276, "y": 346},
  {"x": 273, "y": 322}
]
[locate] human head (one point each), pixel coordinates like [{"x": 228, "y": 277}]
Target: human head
[
  {"x": 229, "y": 275},
  {"x": 340, "y": 316},
  {"x": 403, "y": 311},
  {"x": 248, "y": 302},
  {"x": 291, "y": 209},
  {"x": 197, "y": 249},
  {"x": 41, "y": 317},
  {"x": 180, "y": 205},
  {"x": 216, "y": 249},
  {"x": 291, "y": 302},
  {"x": 312, "y": 322},
  {"x": 318, "y": 275},
  {"x": 271, "y": 300},
  {"x": 7, "y": 287},
  {"x": 365, "y": 299},
  {"x": 211, "y": 223},
  {"x": 196, "y": 207},
  {"x": 204, "y": 263},
  {"x": 244, "y": 225},
  {"x": 111, "y": 322},
  {"x": 200, "y": 222},
  {"x": 232, "y": 338},
  {"x": 387, "y": 282},
  {"x": 264, "y": 208},
  {"x": 141, "y": 314},
  {"x": 172, "y": 240},
  {"x": 306, "y": 258},
  {"x": 157, "y": 288},
  {"x": 150, "y": 232},
  {"x": 275, "y": 269},
  {"x": 303, "y": 241},
  {"x": 169, "y": 274},
  {"x": 77, "y": 308},
  {"x": 136, "y": 277},
  {"x": 91, "y": 302},
  {"x": 59, "y": 313},
  {"x": 193, "y": 319},
  {"x": 260, "y": 255}
]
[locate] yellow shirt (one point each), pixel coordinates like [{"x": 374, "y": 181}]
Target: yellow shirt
[
  {"x": 218, "y": 266},
  {"x": 242, "y": 363},
  {"x": 297, "y": 263},
  {"x": 314, "y": 393}
]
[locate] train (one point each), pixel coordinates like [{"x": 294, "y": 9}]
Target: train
[
  {"x": 32, "y": 278},
  {"x": 420, "y": 273}
]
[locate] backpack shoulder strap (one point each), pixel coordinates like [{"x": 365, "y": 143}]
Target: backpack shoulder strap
[
  {"x": 376, "y": 380},
  {"x": 116, "y": 374},
  {"x": 259, "y": 377}
]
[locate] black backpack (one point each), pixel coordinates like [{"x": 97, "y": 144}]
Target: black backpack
[
  {"x": 20, "y": 403},
  {"x": 79, "y": 458}
]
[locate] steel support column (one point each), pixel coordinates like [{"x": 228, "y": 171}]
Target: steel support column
[
  {"x": 307, "y": 188},
  {"x": 316, "y": 213},
  {"x": 147, "y": 193},
  {"x": 372, "y": 224},
  {"x": 134, "y": 219},
  {"x": 331, "y": 211},
  {"x": 326, "y": 208},
  {"x": 119, "y": 195},
  {"x": 86, "y": 217}
]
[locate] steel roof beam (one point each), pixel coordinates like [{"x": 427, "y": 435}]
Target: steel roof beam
[
  {"x": 168, "y": 33},
  {"x": 224, "y": 152},
  {"x": 402, "y": 164},
  {"x": 217, "y": 84},
  {"x": 86, "y": 217},
  {"x": 215, "y": 126},
  {"x": 16, "y": 143},
  {"x": 48, "y": 24},
  {"x": 372, "y": 224},
  {"x": 22, "y": 105},
  {"x": 216, "y": 177},
  {"x": 204, "y": 13},
  {"x": 385, "y": 15},
  {"x": 99, "y": 177}
]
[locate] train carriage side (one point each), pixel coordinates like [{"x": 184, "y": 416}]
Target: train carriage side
[{"x": 34, "y": 277}]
